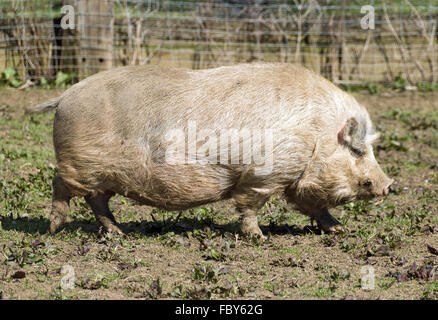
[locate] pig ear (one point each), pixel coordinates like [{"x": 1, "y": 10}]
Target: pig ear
[
  {"x": 348, "y": 132},
  {"x": 350, "y": 135}
]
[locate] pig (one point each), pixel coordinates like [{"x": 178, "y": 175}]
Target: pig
[{"x": 113, "y": 131}]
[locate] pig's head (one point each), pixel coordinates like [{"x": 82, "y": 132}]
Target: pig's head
[{"x": 348, "y": 173}]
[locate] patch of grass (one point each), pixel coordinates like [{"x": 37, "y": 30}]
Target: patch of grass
[
  {"x": 230, "y": 290},
  {"x": 414, "y": 120},
  {"x": 10, "y": 77},
  {"x": 427, "y": 271},
  {"x": 97, "y": 280},
  {"x": 59, "y": 294},
  {"x": 170, "y": 239},
  {"x": 295, "y": 251},
  {"x": 289, "y": 262},
  {"x": 192, "y": 293},
  {"x": 392, "y": 140},
  {"x": 277, "y": 289},
  {"x": 385, "y": 284},
  {"x": 26, "y": 252},
  {"x": 333, "y": 274},
  {"x": 430, "y": 292},
  {"x": 355, "y": 210},
  {"x": 320, "y": 291},
  {"x": 108, "y": 253}
]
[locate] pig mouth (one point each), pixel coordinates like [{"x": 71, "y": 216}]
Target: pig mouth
[
  {"x": 344, "y": 200},
  {"x": 351, "y": 198}
]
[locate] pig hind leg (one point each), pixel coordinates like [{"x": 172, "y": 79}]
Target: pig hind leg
[
  {"x": 60, "y": 204},
  {"x": 248, "y": 222},
  {"x": 247, "y": 205},
  {"x": 104, "y": 217}
]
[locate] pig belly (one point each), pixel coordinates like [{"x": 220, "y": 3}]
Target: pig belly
[{"x": 180, "y": 187}]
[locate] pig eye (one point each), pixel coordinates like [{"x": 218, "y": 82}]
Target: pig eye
[
  {"x": 357, "y": 152},
  {"x": 367, "y": 183}
]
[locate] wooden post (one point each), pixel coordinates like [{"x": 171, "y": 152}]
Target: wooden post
[{"x": 95, "y": 21}]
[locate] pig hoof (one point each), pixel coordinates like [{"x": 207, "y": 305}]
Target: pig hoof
[
  {"x": 255, "y": 235},
  {"x": 251, "y": 228},
  {"x": 331, "y": 226},
  {"x": 113, "y": 229},
  {"x": 334, "y": 229},
  {"x": 116, "y": 230},
  {"x": 56, "y": 222},
  {"x": 326, "y": 222}
]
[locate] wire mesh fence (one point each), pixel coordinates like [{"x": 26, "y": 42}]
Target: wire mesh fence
[{"x": 346, "y": 41}]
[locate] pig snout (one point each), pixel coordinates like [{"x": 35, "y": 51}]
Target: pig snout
[
  {"x": 386, "y": 188},
  {"x": 381, "y": 185},
  {"x": 382, "y": 189}
]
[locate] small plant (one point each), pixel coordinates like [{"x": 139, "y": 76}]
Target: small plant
[
  {"x": 431, "y": 291},
  {"x": 374, "y": 88},
  {"x": 213, "y": 254},
  {"x": 400, "y": 83},
  {"x": 97, "y": 281},
  {"x": 277, "y": 289},
  {"x": 204, "y": 216},
  {"x": 130, "y": 265},
  {"x": 108, "y": 253},
  {"x": 205, "y": 273},
  {"x": 155, "y": 289},
  {"x": 348, "y": 245},
  {"x": 230, "y": 290},
  {"x": 10, "y": 77},
  {"x": 427, "y": 86},
  {"x": 392, "y": 141},
  {"x": 197, "y": 293},
  {"x": 322, "y": 292},
  {"x": 169, "y": 239},
  {"x": 358, "y": 207},
  {"x": 83, "y": 248},
  {"x": 290, "y": 262},
  {"x": 426, "y": 272},
  {"x": 44, "y": 83},
  {"x": 26, "y": 253},
  {"x": 415, "y": 120},
  {"x": 328, "y": 240},
  {"x": 64, "y": 79},
  {"x": 386, "y": 284},
  {"x": 332, "y": 274}
]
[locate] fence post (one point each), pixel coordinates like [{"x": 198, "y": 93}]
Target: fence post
[{"x": 95, "y": 20}]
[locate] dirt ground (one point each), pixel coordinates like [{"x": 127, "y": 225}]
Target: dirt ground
[{"x": 389, "y": 249}]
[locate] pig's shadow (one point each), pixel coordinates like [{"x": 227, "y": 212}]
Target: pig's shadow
[{"x": 147, "y": 228}]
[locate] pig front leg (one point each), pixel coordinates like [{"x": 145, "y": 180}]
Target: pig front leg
[
  {"x": 325, "y": 220},
  {"x": 104, "y": 217}
]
